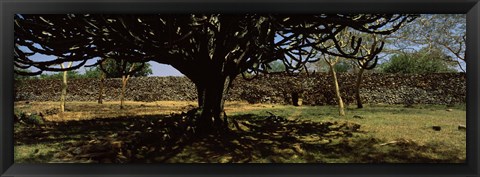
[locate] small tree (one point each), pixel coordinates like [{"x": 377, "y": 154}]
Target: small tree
[
  {"x": 331, "y": 61},
  {"x": 366, "y": 63},
  {"x": 64, "y": 87},
  {"x": 120, "y": 67}
]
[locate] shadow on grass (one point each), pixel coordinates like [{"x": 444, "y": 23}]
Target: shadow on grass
[{"x": 257, "y": 139}]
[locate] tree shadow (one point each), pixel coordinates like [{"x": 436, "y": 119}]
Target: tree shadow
[{"x": 252, "y": 138}]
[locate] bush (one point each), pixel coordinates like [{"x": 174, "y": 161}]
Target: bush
[
  {"x": 423, "y": 61},
  {"x": 28, "y": 118}
]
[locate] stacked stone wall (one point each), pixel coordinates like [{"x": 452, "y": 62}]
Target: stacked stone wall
[{"x": 317, "y": 89}]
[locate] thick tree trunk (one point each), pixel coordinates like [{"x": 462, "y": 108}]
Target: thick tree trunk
[
  {"x": 211, "y": 100},
  {"x": 357, "y": 88},
  {"x": 341, "y": 107},
  {"x": 201, "y": 95},
  {"x": 100, "y": 92}
]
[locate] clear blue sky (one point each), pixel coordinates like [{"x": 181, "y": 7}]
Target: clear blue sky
[{"x": 164, "y": 70}]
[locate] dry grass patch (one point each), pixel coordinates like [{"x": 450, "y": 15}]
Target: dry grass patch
[
  {"x": 78, "y": 110},
  {"x": 92, "y": 110}
]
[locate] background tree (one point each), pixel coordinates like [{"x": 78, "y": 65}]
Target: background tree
[
  {"x": 365, "y": 56},
  {"x": 342, "y": 66},
  {"x": 114, "y": 68},
  {"x": 59, "y": 75},
  {"x": 424, "y": 61},
  {"x": 64, "y": 86},
  {"x": 210, "y": 49},
  {"x": 92, "y": 72},
  {"x": 366, "y": 63},
  {"x": 121, "y": 67},
  {"x": 331, "y": 61},
  {"x": 446, "y": 32},
  {"x": 276, "y": 66},
  {"x": 102, "y": 77}
]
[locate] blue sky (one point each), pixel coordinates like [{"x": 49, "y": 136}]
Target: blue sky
[{"x": 164, "y": 70}]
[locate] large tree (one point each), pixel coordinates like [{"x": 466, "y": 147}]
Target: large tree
[
  {"x": 433, "y": 31},
  {"x": 210, "y": 49}
]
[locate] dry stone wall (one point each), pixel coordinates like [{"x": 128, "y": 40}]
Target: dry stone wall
[{"x": 313, "y": 90}]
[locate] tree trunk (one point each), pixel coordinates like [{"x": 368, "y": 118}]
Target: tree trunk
[
  {"x": 64, "y": 92},
  {"x": 64, "y": 87},
  {"x": 341, "y": 108},
  {"x": 201, "y": 95},
  {"x": 357, "y": 88},
  {"x": 100, "y": 92},
  {"x": 211, "y": 100},
  {"x": 125, "y": 78},
  {"x": 122, "y": 95}
]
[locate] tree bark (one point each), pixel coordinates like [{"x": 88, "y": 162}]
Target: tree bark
[
  {"x": 100, "y": 92},
  {"x": 341, "y": 107},
  {"x": 357, "y": 88},
  {"x": 64, "y": 92},
  {"x": 64, "y": 87},
  {"x": 211, "y": 100},
  {"x": 122, "y": 95},
  {"x": 201, "y": 95},
  {"x": 124, "y": 85}
]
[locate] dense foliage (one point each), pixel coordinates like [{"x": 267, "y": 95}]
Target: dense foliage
[{"x": 424, "y": 61}]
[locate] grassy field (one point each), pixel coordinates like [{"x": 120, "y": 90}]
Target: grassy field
[{"x": 148, "y": 133}]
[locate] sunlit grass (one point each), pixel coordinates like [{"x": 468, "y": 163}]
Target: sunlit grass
[
  {"x": 35, "y": 153},
  {"x": 392, "y": 123},
  {"x": 380, "y": 125}
]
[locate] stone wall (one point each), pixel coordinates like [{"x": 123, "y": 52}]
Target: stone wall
[{"x": 314, "y": 90}]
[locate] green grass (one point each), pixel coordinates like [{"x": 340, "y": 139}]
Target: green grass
[
  {"x": 35, "y": 153},
  {"x": 388, "y": 133},
  {"x": 389, "y": 123}
]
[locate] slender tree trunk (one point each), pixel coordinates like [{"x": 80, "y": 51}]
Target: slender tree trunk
[
  {"x": 357, "y": 88},
  {"x": 122, "y": 95},
  {"x": 100, "y": 92},
  {"x": 64, "y": 87},
  {"x": 341, "y": 108},
  {"x": 124, "y": 85},
  {"x": 64, "y": 92}
]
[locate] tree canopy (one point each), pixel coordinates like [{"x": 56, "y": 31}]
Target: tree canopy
[
  {"x": 116, "y": 68},
  {"x": 446, "y": 32},
  {"x": 210, "y": 49},
  {"x": 243, "y": 41}
]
